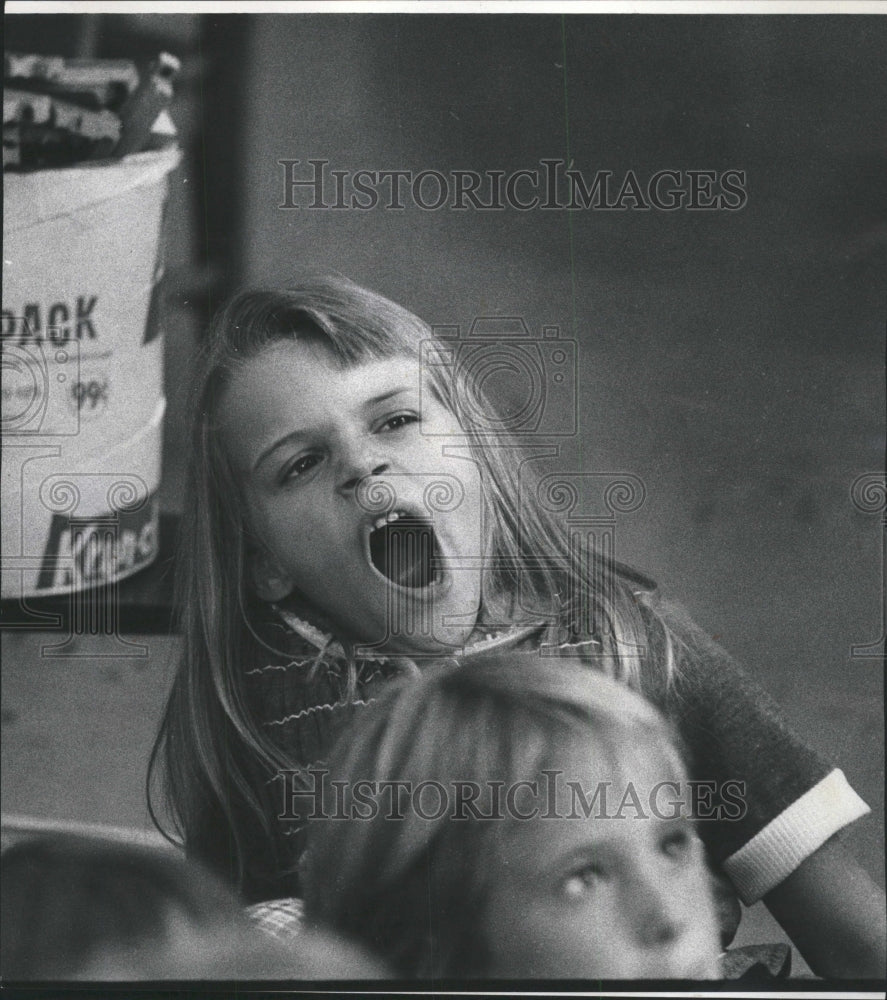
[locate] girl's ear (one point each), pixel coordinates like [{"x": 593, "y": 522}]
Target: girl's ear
[{"x": 270, "y": 581}]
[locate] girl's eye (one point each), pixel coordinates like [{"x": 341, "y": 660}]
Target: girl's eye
[
  {"x": 400, "y": 420},
  {"x": 582, "y": 881},
  {"x": 298, "y": 468},
  {"x": 677, "y": 844}
]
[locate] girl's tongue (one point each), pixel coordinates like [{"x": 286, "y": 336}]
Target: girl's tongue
[{"x": 403, "y": 551}]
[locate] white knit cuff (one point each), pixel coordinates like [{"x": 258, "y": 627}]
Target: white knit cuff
[{"x": 796, "y": 833}]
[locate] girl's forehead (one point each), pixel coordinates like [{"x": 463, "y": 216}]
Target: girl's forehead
[
  {"x": 622, "y": 755},
  {"x": 301, "y": 375},
  {"x": 306, "y": 360},
  {"x": 592, "y": 797},
  {"x": 314, "y": 356},
  {"x": 293, "y": 385}
]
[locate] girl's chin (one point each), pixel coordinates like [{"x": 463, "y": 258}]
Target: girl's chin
[
  {"x": 446, "y": 641},
  {"x": 409, "y": 620},
  {"x": 417, "y": 641},
  {"x": 420, "y": 633}
]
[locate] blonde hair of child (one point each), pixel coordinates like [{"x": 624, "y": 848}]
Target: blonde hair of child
[{"x": 413, "y": 889}]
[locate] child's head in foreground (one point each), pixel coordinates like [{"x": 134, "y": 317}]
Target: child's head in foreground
[
  {"x": 83, "y": 909},
  {"x": 609, "y": 889}
]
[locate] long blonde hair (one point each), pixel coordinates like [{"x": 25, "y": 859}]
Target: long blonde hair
[{"x": 216, "y": 763}]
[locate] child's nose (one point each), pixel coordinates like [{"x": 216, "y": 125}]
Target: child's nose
[
  {"x": 354, "y": 472},
  {"x": 659, "y": 916},
  {"x": 659, "y": 929}
]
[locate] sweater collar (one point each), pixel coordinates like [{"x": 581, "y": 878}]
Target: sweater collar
[{"x": 484, "y": 638}]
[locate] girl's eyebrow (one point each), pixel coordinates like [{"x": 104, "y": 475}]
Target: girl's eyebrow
[
  {"x": 286, "y": 439},
  {"x": 387, "y": 395},
  {"x": 305, "y": 432}
]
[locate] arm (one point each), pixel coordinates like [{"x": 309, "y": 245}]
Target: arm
[
  {"x": 783, "y": 848},
  {"x": 834, "y": 914}
]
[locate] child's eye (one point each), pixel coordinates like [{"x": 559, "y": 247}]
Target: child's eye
[
  {"x": 676, "y": 844},
  {"x": 400, "y": 420},
  {"x": 303, "y": 464},
  {"x": 582, "y": 881}
]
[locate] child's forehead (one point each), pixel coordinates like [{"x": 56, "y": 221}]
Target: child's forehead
[
  {"x": 297, "y": 386},
  {"x": 603, "y": 772},
  {"x": 309, "y": 361},
  {"x": 289, "y": 375},
  {"x": 637, "y": 756}
]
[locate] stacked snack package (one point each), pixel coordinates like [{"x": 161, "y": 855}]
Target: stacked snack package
[
  {"x": 57, "y": 112},
  {"x": 88, "y": 146}
]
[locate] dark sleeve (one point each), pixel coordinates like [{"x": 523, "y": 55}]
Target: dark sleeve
[{"x": 773, "y": 800}]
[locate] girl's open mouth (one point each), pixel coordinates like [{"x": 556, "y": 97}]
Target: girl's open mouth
[{"x": 404, "y": 548}]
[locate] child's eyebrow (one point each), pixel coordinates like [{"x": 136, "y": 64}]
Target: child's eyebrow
[
  {"x": 400, "y": 391},
  {"x": 290, "y": 438},
  {"x": 588, "y": 852},
  {"x": 306, "y": 432}
]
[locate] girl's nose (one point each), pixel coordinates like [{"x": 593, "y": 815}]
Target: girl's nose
[
  {"x": 357, "y": 455},
  {"x": 659, "y": 928},
  {"x": 658, "y": 917},
  {"x": 353, "y": 473}
]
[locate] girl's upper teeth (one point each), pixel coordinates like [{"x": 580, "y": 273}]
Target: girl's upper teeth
[{"x": 392, "y": 515}]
